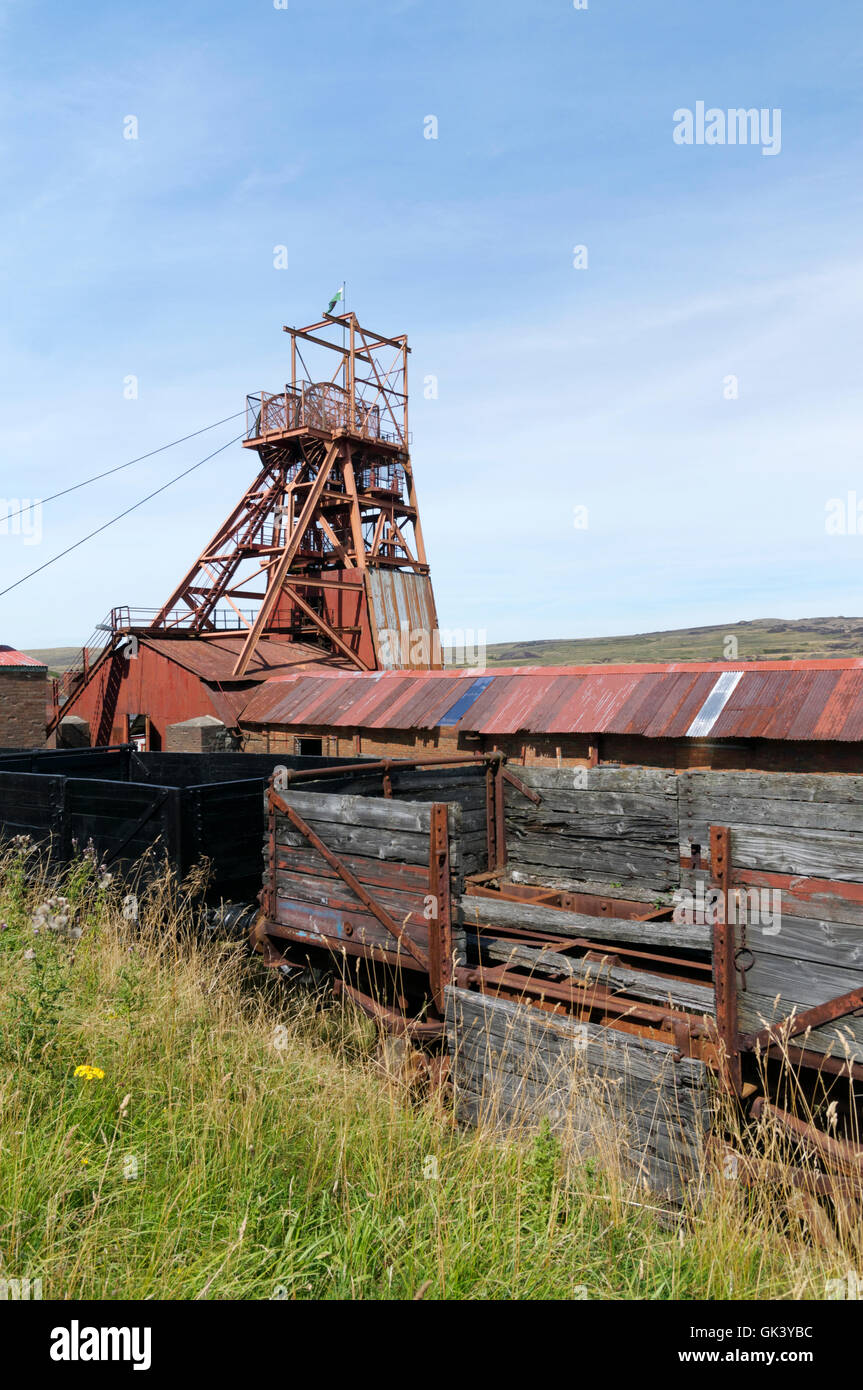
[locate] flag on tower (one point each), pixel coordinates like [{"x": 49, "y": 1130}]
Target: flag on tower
[{"x": 339, "y": 294}]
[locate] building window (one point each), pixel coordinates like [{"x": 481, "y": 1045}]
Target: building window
[{"x": 309, "y": 747}]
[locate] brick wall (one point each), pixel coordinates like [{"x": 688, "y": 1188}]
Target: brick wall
[
  {"x": 23, "y": 700},
  {"x": 202, "y": 735},
  {"x": 573, "y": 750}
]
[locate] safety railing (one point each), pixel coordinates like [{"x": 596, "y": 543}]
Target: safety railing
[{"x": 317, "y": 406}]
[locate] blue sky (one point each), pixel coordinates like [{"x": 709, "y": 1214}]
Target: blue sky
[{"x": 558, "y": 387}]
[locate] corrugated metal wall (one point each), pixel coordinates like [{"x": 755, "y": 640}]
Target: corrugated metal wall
[{"x": 404, "y": 619}]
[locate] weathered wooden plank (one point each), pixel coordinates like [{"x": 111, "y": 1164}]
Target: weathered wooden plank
[
  {"x": 697, "y": 813},
  {"x": 656, "y": 1128},
  {"x": 808, "y": 939},
  {"x": 807, "y": 982},
  {"x": 657, "y": 806},
  {"x": 552, "y": 920},
  {"x": 663, "y": 1179},
  {"x": 608, "y": 862},
  {"x": 411, "y": 877},
  {"x": 798, "y": 895},
  {"x": 524, "y": 1040},
  {"x": 522, "y": 1098},
  {"x": 794, "y": 786},
  {"x": 542, "y": 1050},
  {"x": 519, "y": 1098},
  {"x": 464, "y": 785},
  {"x": 540, "y": 847},
  {"x": 814, "y": 898},
  {"x": 641, "y": 984},
  {"x": 608, "y": 778},
  {"x": 337, "y": 894},
  {"x": 318, "y": 925},
  {"x": 548, "y": 1062},
  {"x": 376, "y": 813},
  {"x": 597, "y": 825},
  {"x": 401, "y": 846},
  {"x": 533, "y": 1050},
  {"x": 815, "y": 853}
]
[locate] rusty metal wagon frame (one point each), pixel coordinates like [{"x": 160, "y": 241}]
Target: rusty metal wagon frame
[{"x": 417, "y": 943}]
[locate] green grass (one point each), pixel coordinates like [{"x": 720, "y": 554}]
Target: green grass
[{"x": 244, "y": 1145}]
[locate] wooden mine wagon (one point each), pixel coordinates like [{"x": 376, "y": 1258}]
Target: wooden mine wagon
[{"x": 188, "y": 806}]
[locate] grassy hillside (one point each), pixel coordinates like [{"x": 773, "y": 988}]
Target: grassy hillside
[
  {"x": 233, "y": 1142},
  {"x": 777, "y": 639},
  {"x": 57, "y": 659}
]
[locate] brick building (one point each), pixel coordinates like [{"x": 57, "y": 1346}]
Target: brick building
[
  {"x": 23, "y": 700},
  {"x": 788, "y": 716}
]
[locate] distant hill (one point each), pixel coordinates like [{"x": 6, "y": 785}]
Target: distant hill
[
  {"x": 57, "y": 659},
  {"x": 776, "y": 639}
]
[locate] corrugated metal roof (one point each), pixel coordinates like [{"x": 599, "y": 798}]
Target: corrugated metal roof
[
  {"x": 764, "y": 699},
  {"x": 214, "y": 658},
  {"x": 10, "y": 657}
]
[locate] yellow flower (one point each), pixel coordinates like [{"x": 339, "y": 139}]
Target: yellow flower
[
  {"x": 88, "y": 1073},
  {"x": 85, "y": 1160}
]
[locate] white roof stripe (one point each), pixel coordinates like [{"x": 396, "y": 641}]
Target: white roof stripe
[{"x": 714, "y": 704}]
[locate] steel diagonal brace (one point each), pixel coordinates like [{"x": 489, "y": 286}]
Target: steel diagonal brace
[
  {"x": 350, "y": 879},
  {"x": 796, "y": 1024},
  {"x": 522, "y": 787}
]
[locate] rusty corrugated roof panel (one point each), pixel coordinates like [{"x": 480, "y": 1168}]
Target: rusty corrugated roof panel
[
  {"x": 842, "y": 715},
  {"x": 682, "y": 695},
  {"x": 642, "y": 704},
  {"x": 12, "y": 658},
  {"x": 213, "y": 658},
  {"x": 783, "y": 700},
  {"x": 402, "y": 600},
  {"x": 426, "y": 702},
  {"x": 364, "y": 697},
  {"x": 756, "y": 703},
  {"x": 512, "y": 702},
  {"x": 594, "y": 704}
]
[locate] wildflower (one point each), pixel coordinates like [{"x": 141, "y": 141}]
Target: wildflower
[
  {"x": 85, "y": 1160},
  {"x": 55, "y": 915},
  {"x": 88, "y": 1073}
]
